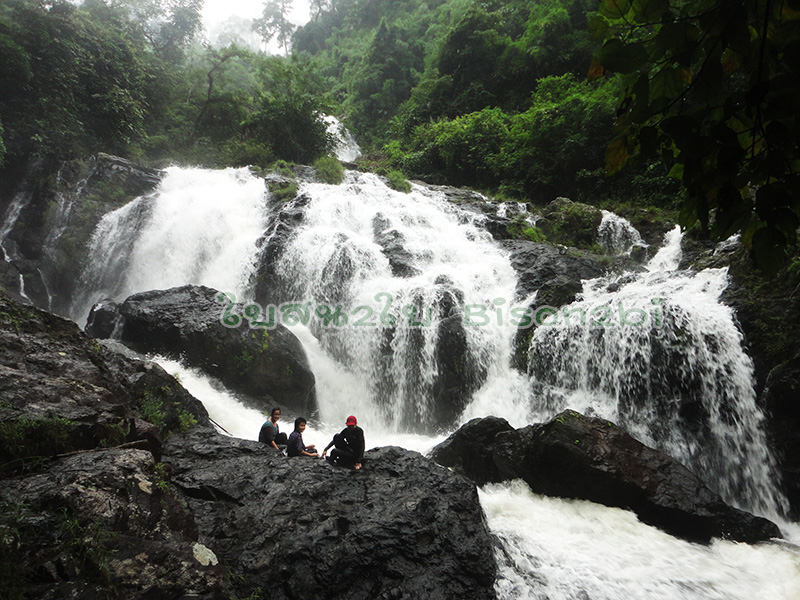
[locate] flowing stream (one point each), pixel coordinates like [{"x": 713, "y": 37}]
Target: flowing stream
[{"x": 674, "y": 373}]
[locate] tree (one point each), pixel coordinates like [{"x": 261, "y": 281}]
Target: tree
[
  {"x": 321, "y": 6},
  {"x": 714, "y": 87},
  {"x": 289, "y": 116},
  {"x": 168, "y": 25},
  {"x": 274, "y": 23}
]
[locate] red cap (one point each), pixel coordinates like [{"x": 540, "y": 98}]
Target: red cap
[{"x": 351, "y": 420}]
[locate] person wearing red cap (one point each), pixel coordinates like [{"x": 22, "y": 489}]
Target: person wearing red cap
[{"x": 349, "y": 446}]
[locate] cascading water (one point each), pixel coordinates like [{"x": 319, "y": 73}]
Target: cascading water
[
  {"x": 616, "y": 235},
  {"x": 402, "y": 266},
  {"x": 198, "y": 227},
  {"x": 660, "y": 355},
  {"x": 360, "y": 245}
]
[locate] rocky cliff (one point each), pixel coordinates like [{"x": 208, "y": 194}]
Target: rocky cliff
[{"x": 114, "y": 484}]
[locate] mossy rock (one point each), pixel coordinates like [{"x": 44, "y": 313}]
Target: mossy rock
[{"x": 570, "y": 223}]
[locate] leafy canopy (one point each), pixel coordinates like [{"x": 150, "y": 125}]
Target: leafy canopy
[{"x": 714, "y": 87}]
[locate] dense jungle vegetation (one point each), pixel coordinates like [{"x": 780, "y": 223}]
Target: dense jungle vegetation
[{"x": 525, "y": 99}]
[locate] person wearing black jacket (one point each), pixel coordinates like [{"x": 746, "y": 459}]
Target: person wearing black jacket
[{"x": 348, "y": 446}]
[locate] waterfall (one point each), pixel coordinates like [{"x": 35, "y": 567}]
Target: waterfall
[
  {"x": 616, "y": 235},
  {"x": 661, "y": 356},
  {"x": 381, "y": 259},
  {"x": 402, "y": 266},
  {"x": 198, "y": 227},
  {"x": 347, "y": 149},
  {"x": 19, "y": 202}
]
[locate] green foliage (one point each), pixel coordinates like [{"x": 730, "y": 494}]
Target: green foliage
[
  {"x": 30, "y": 440},
  {"x": 86, "y": 549},
  {"x": 152, "y": 408},
  {"x": 14, "y": 577},
  {"x": 185, "y": 420},
  {"x": 713, "y": 88},
  {"x": 274, "y": 22},
  {"x": 287, "y": 115},
  {"x": 329, "y": 170},
  {"x": 161, "y": 477},
  {"x": 536, "y": 153},
  {"x": 398, "y": 182}
]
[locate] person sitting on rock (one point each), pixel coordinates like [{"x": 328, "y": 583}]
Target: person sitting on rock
[
  {"x": 295, "y": 445},
  {"x": 270, "y": 434},
  {"x": 349, "y": 446}
]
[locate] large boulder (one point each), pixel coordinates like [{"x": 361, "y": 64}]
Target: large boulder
[
  {"x": 401, "y": 527},
  {"x": 268, "y": 365},
  {"x": 101, "y": 524},
  {"x": 64, "y": 392},
  {"x": 114, "y": 484},
  {"x": 470, "y": 450},
  {"x": 573, "y": 456},
  {"x": 571, "y": 223},
  {"x": 538, "y": 263}
]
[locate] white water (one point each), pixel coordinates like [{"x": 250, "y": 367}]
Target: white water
[
  {"x": 347, "y": 149},
  {"x": 616, "y": 234},
  {"x": 198, "y": 227},
  {"x": 558, "y": 549},
  {"x": 10, "y": 219},
  {"x": 453, "y": 262},
  {"x": 551, "y": 548},
  {"x": 675, "y": 376}
]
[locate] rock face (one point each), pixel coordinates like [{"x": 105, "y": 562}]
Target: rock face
[
  {"x": 538, "y": 264},
  {"x": 554, "y": 274},
  {"x": 564, "y": 221},
  {"x": 401, "y": 527},
  {"x": 114, "y": 484},
  {"x": 57, "y": 207},
  {"x": 573, "y": 456},
  {"x": 62, "y": 392},
  {"x": 268, "y": 365},
  {"x": 470, "y": 450}
]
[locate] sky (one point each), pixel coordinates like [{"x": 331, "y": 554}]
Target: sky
[{"x": 216, "y": 12}]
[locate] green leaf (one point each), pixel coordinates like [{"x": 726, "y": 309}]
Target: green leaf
[
  {"x": 733, "y": 213},
  {"x": 617, "y": 154},
  {"x": 617, "y": 56},
  {"x": 614, "y": 9},
  {"x": 666, "y": 84},
  {"x": 768, "y": 249}
]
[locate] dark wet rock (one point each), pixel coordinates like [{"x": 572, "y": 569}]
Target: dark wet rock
[
  {"x": 269, "y": 365},
  {"x": 401, "y": 527},
  {"x": 270, "y": 288},
  {"x": 555, "y": 274},
  {"x": 60, "y": 206},
  {"x": 98, "y": 525},
  {"x": 63, "y": 391},
  {"x": 539, "y": 263},
  {"x": 768, "y": 314},
  {"x": 401, "y": 260},
  {"x": 781, "y": 401},
  {"x": 574, "y": 456},
  {"x": 470, "y": 450},
  {"x": 109, "y": 490},
  {"x": 460, "y": 373}
]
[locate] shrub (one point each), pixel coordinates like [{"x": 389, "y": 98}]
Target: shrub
[{"x": 329, "y": 170}]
